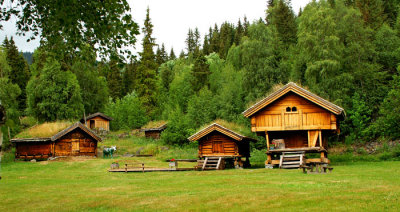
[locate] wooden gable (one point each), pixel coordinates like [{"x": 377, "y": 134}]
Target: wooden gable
[{"x": 293, "y": 108}]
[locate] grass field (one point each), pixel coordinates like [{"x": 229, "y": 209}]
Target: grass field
[{"x": 84, "y": 184}]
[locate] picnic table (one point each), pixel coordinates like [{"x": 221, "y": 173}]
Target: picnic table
[{"x": 316, "y": 168}]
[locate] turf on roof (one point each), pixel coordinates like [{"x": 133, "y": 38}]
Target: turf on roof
[
  {"x": 45, "y": 130},
  {"x": 154, "y": 124},
  {"x": 237, "y": 128}
]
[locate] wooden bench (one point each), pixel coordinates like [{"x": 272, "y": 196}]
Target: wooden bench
[{"x": 319, "y": 168}]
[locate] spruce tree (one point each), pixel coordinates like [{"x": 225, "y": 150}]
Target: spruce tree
[
  {"x": 146, "y": 72},
  {"x": 129, "y": 77},
  {"x": 282, "y": 17},
  {"x": 114, "y": 78},
  {"x": 238, "y": 33},
  {"x": 172, "y": 55},
  {"x": 372, "y": 11},
  {"x": 200, "y": 73},
  {"x": 19, "y": 70}
]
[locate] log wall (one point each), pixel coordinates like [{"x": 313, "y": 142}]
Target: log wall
[
  {"x": 33, "y": 149},
  {"x": 76, "y": 143},
  {"x": 153, "y": 134},
  {"x": 218, "y": 144}
]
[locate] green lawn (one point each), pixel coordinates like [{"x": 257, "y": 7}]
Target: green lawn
[{"x": 85, "y": 184}]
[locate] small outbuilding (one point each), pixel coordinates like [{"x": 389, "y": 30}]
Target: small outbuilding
[
  {"x": 75, "y": 140},
  {"x": 293, "y": 119},
  {"x": 217, "y": 141},
  {"x": 154, "y": 129},
  {"x": 97, "y": 121}
]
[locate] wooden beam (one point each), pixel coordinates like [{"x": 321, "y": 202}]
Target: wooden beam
[
  {"x": 320, "y": 138},
  {"x": 309, "y": 142},
  {"x": 267, "y": 139}
]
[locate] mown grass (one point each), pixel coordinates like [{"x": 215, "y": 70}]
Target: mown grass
[
  {"x": 133, "y": 145},
  {"x": 84, "y": 184}
]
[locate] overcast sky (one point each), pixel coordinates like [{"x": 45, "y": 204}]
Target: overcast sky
[{"x": 173, "y": 18}]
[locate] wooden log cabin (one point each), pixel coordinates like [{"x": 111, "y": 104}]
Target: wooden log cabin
[
  {"x": 216, "y": 141},
  {"x": 297, "y": 118},
  {"x": 97, "y": 121},
  {"x": 154, "y": 132},
  {"x": 76, "y": 140}
]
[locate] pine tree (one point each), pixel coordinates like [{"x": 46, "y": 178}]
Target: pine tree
[
  {"x": 182, "y": 54},
  {"x": 146, "y": 72},
  {"x": 172, "y": 55},
  {"x": 114, "y": 78},
  {"x": 282, "y": 17},
  {"x": 200, "y": 73},
  {"x": 214, "y": 41},
  {"x": 19, "y": 70},
  {"x": 238, "y": 33},
  {"x": 129, "y": 77},
  {"x": 206, "y": 46},
  {"x": 372, "y": 11}
]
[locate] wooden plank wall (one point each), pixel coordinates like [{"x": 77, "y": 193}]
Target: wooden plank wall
[
  {"x": 218, "y": 144},
  {"x": 100, "y": 123},
  {"x": 308, "y": 116},
  {"x": 153, "y": 134},
  {"x": 33, "y": 149}
]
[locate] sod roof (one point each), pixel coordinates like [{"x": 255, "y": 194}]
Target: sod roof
[
  {"x": 45, "y": 130},
  {"x": 233, "y": 130}
]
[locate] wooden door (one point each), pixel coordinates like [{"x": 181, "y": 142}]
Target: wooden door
[
  {"x": 218, "y": 147},
  {"x": 75, "y": 146},
  {"x": 92, "y": 124}
]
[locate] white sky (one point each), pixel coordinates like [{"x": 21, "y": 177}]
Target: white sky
[{"x": 173, "y": 18}]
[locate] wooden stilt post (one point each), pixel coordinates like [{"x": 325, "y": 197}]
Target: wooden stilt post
[
  {"x": 267, "y": 139},
  {"x": 320, "y": 138}
]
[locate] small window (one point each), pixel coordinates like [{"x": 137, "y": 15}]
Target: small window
[
  {"x": 288, "y": 109},
  {"x": 294, "y": 109}
]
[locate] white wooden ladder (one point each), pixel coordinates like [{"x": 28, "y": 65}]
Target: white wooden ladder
[
  {"x": 211, "y": 163},
  {"x": 291, "y": 160}
]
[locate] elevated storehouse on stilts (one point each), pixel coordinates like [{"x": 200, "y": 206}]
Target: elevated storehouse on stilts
[{"x": 293, "y": 119}]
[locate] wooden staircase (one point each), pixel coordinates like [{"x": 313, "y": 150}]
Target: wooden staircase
[
  {"x": 291, "y": 160},
  {"x": 211, "y": 163}
]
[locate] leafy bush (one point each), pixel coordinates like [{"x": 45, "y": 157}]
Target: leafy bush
[{"x": 127, "y": 112}]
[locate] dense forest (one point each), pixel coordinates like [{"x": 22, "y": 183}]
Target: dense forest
[{"x": 346, "y": 51}]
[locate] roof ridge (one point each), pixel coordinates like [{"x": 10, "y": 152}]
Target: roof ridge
[
  {"x": 215, "y": 124},
  {"x": 291, "y": 86}
]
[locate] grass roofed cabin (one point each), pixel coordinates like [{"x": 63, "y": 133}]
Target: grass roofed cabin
[
  {"x": 56, "y": 139},
  {"x": 153, "y": 129},
  {"x": 224, "y": 140}
]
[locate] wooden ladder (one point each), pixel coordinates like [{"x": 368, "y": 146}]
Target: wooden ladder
[
  {"x": 210, "y": 163},
  {"x": 291, "y": 160}
]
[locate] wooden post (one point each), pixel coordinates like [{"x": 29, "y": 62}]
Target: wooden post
[
  {"x": 320, "y": 138},
  {"x": 126, "y": 168},
  {"x": 308, "y": 133},
  {"x": 269, "y": 159},
  {"x": 267, "y": 139}
]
